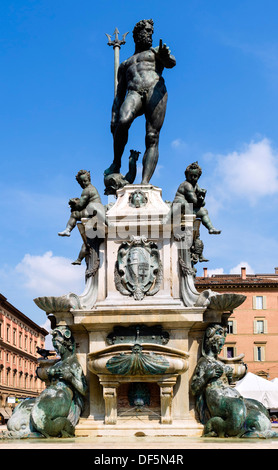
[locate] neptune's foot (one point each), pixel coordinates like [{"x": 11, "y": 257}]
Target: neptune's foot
[{"x": 112, "y": 169}]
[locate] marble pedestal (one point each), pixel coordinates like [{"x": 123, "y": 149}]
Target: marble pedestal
[{"x": 139, "y": 278}]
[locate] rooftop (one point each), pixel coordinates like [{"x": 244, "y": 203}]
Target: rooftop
[
  {"x": 240, "y": 280},
  {"x": 11, "y": 308}
]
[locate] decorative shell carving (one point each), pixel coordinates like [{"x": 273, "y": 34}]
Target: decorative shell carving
[
  {"x": 58, "y": 304},
  {"x": 225, "y": 302},
  {"x": 137, "y": 363}
]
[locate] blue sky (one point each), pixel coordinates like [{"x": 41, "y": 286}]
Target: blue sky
[{"x": 56, "y": 92}]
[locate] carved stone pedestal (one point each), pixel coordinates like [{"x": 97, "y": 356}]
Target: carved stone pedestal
[
  {"x": 140, "y": 318},
  {"x": 111, "y": 384}
]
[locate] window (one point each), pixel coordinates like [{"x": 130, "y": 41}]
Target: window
[
  {"x": 260, "y": 326},
  {"x": 259, "y": 352},
  {"x": 259, "y": 302},
  {"x": 8, "y": 333},
  {"x": 232, "y": 327},
  {"x": 20, "y": 339},
  {"x": 14, "y": 336},
  {"x": 230, "y": 351}
]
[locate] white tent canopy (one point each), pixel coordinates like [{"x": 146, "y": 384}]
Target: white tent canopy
[{"x": 265, "y": 391}]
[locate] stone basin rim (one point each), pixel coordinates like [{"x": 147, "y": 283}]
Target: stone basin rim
[{"x": 146, "y": 347}]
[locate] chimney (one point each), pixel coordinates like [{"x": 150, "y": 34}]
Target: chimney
[
  {"x": 243, "y": 273},
  {"x": 205, "y": 272},
  {"x": 276, "y": 270}
]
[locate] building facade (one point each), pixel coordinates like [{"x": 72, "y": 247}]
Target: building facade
[
  {"x": 19, "y": 338},
  {"x": 253, "y": 326}
]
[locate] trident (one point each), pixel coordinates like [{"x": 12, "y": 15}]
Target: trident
[{"x": 116, "y": 46}]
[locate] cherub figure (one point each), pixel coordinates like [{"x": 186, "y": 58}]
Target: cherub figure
[
  {"x": 190, "y": 196},
  {"x": 88, "y": 205}
]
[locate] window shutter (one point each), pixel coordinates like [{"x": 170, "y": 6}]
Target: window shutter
[
  {"x": 264, "y": 302},
  {"x": 255, "y": 353},
  {"x": 265, "y": 326},
  {"x": 235, "y": 327},
  {"x": 254, "y": 302},
  {"x": 255, "y": 326}
]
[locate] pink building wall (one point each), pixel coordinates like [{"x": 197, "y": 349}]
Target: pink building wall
[
  {"x": 19, "y": 337},
  {"x": 255, "y": 330}
]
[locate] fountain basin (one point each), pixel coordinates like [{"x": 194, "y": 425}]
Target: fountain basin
[{"x": 146, "y": 359}]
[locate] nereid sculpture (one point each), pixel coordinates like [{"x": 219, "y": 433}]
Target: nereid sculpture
[
  {"x": 56, "y": 411},
  {"x": 221, "y": 408}
]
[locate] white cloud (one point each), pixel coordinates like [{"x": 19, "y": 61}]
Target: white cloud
[
  {"x": 251, "y": 173},
  {"x": 210, "y": 272},
  {"x": 235, "y": 270},
  {"x": 179, "y": 144},
  {"x": 50, "y": 275},
  {"x": 242, "y": 264}
]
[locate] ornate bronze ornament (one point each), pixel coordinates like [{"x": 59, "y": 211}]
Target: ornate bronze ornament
[
  {"x": 138, "y": 199},
  {"x": 138, "y": 270},
  {"x": 137, "y": 363}
]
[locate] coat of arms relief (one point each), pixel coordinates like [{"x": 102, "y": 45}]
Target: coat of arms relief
[{"x": 138, "y": 269}]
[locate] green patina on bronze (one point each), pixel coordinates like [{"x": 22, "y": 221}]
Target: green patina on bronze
[
  {"x": 56, "y": 411},
  {"x": 141, "y": 90},
  {"x": 221, "y": 408},
  {"x": 139, "y": 394},
  {"x": 137, "y": 363},
  {"x": 190, "y": 198},
  {"x": 137, "y": 334}
]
